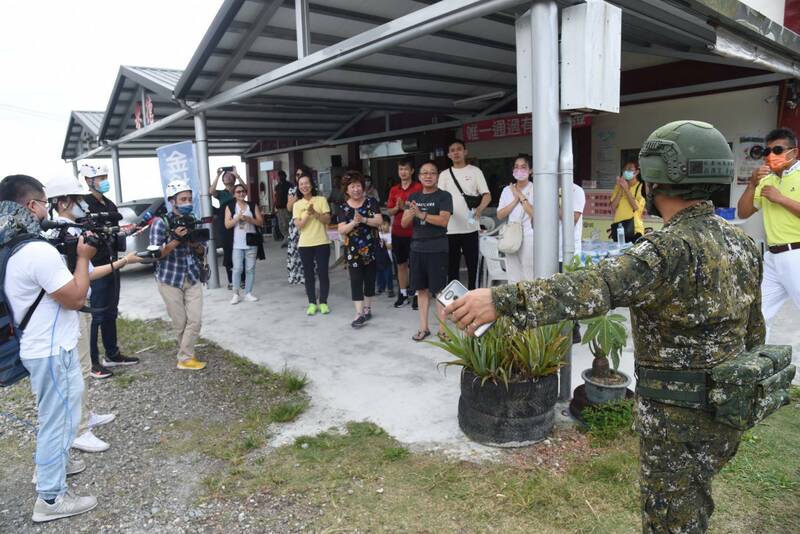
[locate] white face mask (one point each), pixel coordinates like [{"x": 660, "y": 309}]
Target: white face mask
[{"x": 77, "y": 211}]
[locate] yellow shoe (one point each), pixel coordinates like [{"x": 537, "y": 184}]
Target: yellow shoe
[{"x": 191, "y": 364}]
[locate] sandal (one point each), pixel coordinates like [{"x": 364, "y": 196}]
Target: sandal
[
  {"x": 420, "y": 335},
  {"x": 443, "y": 337}
]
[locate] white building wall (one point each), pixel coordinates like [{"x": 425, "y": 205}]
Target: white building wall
[
  {"x": 751, "y": 112},
  {"x": 773, "y": 9}
]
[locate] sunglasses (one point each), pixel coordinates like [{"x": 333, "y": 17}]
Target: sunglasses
[{"x": 777, "y": 150}]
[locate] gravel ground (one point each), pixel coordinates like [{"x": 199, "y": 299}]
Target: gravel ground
[{"x": 152, "y": 477}]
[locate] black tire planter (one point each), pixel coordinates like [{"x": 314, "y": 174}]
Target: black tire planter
[{"x": 519, "y": 415}]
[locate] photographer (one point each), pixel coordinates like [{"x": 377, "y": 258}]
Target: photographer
[
  {"x": 38, "y": 285},
  {"x": 105, "y": 291},
  {"x": 64, "y": 194},
  {"x": 179, "y": 271}
]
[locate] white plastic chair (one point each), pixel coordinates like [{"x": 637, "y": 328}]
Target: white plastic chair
[{"x": 493, "y": 266}]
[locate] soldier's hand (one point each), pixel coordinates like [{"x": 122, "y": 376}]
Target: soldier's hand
[
  {"x": 473, "y": 310},
  {"x": 758, "y": 174},
  {"x": 771, "y": 193}
]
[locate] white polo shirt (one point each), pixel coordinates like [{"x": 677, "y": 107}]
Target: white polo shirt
[{"x": 34, "y": 267}]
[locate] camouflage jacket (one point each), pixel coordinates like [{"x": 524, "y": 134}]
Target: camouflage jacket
[{"x": 693, "y": 289}]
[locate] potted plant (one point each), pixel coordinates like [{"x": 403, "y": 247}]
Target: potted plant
[
  {"x": 509, "y": 381},
  {"x": 606, "y": 338}
]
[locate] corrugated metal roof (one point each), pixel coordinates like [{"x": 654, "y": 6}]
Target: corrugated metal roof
[{"x": 82, "y": 131}]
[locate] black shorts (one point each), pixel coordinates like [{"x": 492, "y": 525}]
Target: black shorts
[
  {"x": 428, "y": 270},
  {"x": 401, "y": 248}
]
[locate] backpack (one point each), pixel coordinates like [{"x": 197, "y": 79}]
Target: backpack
[{"x": 11, "y": 368}]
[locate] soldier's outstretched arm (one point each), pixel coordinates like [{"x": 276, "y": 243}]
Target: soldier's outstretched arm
[{"x": 633, "y": 278}]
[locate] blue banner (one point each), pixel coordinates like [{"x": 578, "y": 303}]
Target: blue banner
[{"x": 177, "y": 162}]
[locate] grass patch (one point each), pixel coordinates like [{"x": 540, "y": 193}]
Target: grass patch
[
  {"x": 152, "y": 335},
  {"x": 292, "y": 380},
  {"x": 286, "y": 412},
  {"x": 124, "y": 381},
  {"x": 363, "y": 478},
  {"x": 607, "y": 421}
]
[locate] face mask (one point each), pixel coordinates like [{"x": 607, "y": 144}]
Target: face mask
[
  {"x": 77, "y": 211},
  {"x": 777, "y": 163},
  {"x": 650, "y": 204},
  {"x": 185, "y": 209},
  {"x": 521, "y": 174},
  {"x": 103, "y": 186},
  {"x": 628, "y": 175}
]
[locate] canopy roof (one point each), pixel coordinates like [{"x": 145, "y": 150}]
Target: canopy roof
[{"x": 246, "y": 76}]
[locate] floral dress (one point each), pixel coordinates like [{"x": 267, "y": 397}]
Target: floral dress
[
  {"x": 361, "y": 243},
  {"x": 293, "y": 263}
]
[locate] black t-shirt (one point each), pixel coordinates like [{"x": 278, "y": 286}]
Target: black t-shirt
[
  {"x": 282, "y": 194},
  {"x": 97, "y": 206},
  {"x": 430, "y": 237}
]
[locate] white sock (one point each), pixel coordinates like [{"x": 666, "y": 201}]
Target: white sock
[{"x": 404, "y": 292}]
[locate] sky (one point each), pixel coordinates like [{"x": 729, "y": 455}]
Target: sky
[{"x": 62, "y": 55}]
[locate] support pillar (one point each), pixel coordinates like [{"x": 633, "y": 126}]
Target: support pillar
[
  {"x": 203, "y": 176},
  {"x": 565, "y": 171},
  {"x": 544, "y": 111},
  {"x": 303, "y": 28},
  {"x": 117, "y": 176},
  {"x": 75, "y": 171}
]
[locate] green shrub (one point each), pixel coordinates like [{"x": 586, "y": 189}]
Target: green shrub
[{"x": 607, "y": 421}]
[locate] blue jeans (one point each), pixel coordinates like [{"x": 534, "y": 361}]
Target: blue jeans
[
  {"x": 245, "y": 258},
  {"x": 57, "y": 382},
  {"x": 385, "y": 279},
  {"x": 105, "y": 322}
]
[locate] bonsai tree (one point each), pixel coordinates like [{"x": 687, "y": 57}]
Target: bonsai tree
[{"x": 606, "y": 338}]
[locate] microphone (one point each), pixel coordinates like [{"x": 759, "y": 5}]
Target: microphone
[{"x": 104, "y": 216}]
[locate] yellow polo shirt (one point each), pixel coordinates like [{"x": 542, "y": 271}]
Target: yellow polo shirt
[
  {"x": 314, "y": 233},
  {"x": 781, "y": 225},
  {"x": 624, "y": 210}
]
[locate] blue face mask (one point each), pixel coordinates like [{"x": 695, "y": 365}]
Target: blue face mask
[
  {"x": 629, "y": 175},
  {"x": 103, "y": 186},
  {"x": 185, "y": 209}
]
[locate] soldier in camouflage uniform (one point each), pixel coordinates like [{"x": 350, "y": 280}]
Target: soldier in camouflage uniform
[{"x": 694, "y": 299}]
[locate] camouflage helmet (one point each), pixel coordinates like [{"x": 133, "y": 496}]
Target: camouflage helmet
[{"x": 688, "y": 153}]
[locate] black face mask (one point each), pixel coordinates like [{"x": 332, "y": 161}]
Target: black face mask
[{"x": 650, "y": 198}]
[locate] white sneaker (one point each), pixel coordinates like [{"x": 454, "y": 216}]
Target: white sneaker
[
  {"x": 249, "y": 297},
  {"x": 88, "y": 442},
  {"x": 65, "y": 506},
  {"x": 235, "y": 299},
  {"x": 96, "y": 420},
  {"x": 74, "y": 466}
]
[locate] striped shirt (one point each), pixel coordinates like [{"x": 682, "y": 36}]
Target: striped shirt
[{"x": 181, "y": 264}]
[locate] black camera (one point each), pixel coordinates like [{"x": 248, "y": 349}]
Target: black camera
[
  {"x": 99, "y": 230},
  {"x": 195, "y": 233}
]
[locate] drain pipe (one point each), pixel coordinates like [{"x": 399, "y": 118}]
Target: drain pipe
[
  {"x": 565, "y": 170},
  {"x": 544, "y": 112}
]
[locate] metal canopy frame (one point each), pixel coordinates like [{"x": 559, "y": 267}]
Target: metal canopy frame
[
  {"x": 83, "y": 127},
  {"x": 251, "y": 77}
]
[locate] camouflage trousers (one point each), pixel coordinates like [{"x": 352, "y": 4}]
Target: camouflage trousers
[{"x": 675, "y": 481}]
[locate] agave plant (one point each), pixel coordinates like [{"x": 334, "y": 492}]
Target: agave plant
[
  {"x": 505, "y": 353},
  {"x": 606, "y": 338}
]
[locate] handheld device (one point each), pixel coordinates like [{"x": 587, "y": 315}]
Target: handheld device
[{"x": 452, "y": 292}]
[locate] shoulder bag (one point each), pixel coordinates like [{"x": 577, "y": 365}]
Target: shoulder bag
[
  {"x": 473, "y": 201},
  {"x": 510, "y": 238}
]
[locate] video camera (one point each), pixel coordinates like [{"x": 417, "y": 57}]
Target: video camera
[
  {"x": 191, "y": 223},
  {"x": 99, "y": 230}
]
